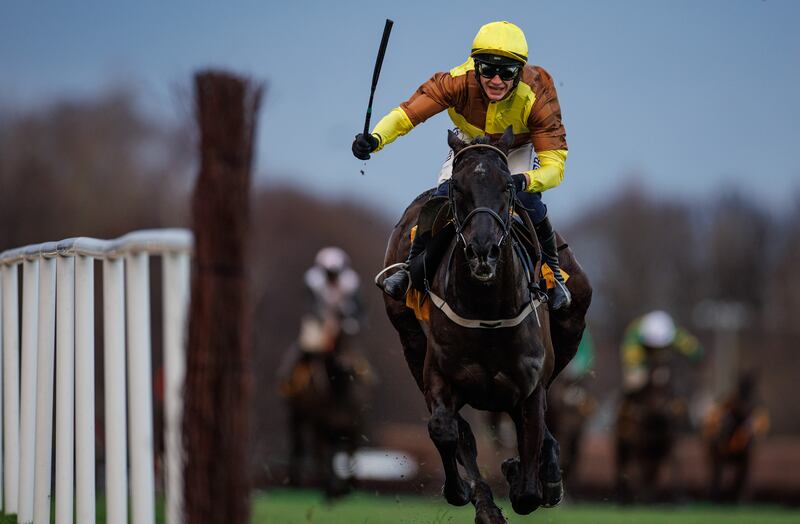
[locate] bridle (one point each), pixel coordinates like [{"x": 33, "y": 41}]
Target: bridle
[
  {"x": 460, "y": 225},
  {"x": 534, "y": 300}
]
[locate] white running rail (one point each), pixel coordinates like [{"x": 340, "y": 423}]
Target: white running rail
[{"x": 55, "y": 360}]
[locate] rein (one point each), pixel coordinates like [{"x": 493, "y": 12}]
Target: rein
[
  {"x": 535, "y": 300},
  {"x": 506, "y": 225},
  {"x": 484, "y": 146},
  {"x": 460, "y": 225}
]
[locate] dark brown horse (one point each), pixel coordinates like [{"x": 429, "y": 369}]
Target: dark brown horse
[
  {"x": 648, "y": 423},
  {"x": 326, "y": 393},
  {"x": 487, "y": 341},
  {"x": 731, "y": 430}
]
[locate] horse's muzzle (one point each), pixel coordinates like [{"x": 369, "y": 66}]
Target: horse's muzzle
[{"x": 482, "y": 261}]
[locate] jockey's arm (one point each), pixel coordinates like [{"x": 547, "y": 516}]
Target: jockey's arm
[
  {"x": 634, "y": 360},
  {"x": 312, "y": 296},
  {"x": 431, "y": 98},
  {"x": 550, "y": 173},
  {"x": 548, "y": 136},
  {"x": 391, "y": 127},
  {"x": 688, "y": 345}
]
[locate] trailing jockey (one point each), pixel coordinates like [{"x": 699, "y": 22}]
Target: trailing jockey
[{"x": 494, "y": 89}]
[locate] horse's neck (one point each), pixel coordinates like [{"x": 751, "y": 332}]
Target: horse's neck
[{"x": 503, "y": 297}]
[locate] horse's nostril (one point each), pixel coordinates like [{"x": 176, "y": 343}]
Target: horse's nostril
[
  {"x": 494, "y": 251},
  {"x": 470, "y": 252}
]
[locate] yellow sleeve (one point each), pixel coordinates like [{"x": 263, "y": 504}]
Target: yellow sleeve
[
  {"x": 551, "y": 172},
  {"x": 393, "y": 125},
  {"x": 688, "y": 345},
  {"x": 634, "y": 367}
]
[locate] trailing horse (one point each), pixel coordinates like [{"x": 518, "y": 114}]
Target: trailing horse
[
  {"x": 325, "y": 394},
  {"x": 731, "y": 430},
  {"x": 648, "y": 423},
  {"x": 486, "y": 338}
]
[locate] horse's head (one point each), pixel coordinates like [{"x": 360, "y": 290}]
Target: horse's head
[{"x": 481, "y": 198}]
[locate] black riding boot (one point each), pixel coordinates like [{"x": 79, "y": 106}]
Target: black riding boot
[
  {"x": 397, "y": 285},
  {"x": 559, "y": 295}
]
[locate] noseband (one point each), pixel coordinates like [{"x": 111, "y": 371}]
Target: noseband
[{"x": 461, "y": 225}]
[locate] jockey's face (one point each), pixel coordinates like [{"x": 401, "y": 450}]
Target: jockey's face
[{"x": 496, "y": 88}]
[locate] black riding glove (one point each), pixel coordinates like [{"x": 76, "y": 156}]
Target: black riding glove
[
  {"x": 520, "y": 182},
  {"x": 363, "y": 145}
]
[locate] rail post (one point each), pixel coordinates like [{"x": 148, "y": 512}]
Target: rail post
[
  {"x": 44, "y": 391},
  {"x": 114, "y": 374},
  {"x": 65, "y": 388},
  {"x": 85, "y": 508},
  {"x": 30, "y": 308}
]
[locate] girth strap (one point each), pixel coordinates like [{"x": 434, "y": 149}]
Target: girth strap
[{"x": 532, "y": 307}]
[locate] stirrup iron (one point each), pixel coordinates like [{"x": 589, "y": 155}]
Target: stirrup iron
[{"x": 401, "y": 266}]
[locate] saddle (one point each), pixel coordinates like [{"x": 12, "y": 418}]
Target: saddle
[{"x": 435, "y": 219}]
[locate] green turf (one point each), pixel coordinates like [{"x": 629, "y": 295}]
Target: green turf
[
  {"x": 285, "y": 507},
  {"x": 304, "y": 507}
]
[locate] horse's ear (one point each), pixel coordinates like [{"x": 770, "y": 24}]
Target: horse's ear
[
  {"x": 506, "y": 140},
  {"x": 455, "y": 143}
]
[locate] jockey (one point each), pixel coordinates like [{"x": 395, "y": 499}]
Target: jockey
[
  {"x": 335, "y": 312},
  {"x": 495, "y": 88},
  {"x": 334, "y": 288},
  {"x": 651, "y": 332}
]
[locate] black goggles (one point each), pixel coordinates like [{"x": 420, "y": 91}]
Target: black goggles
[{"x": 505, "y": 72}]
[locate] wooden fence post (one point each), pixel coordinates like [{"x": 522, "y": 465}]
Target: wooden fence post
[{"x": 218, "y": 373}]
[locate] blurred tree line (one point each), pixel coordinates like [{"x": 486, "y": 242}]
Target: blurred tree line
[{"x": 102, "y": 167}]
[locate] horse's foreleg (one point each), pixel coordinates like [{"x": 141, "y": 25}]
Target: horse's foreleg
[
  {"x": 444, "y": 432},
  {"x": 550, "y": 471},
  {"x": 486, "y": 511},
  {"x": 323, "y": 459},
  {"x": 297, "y": 451},
  {"x": 716, "y": 474},
  {"x": 523, "y": 473},
  {"x": 741, "y": 466}
]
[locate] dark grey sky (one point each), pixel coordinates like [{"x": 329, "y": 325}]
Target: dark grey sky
[{"x": 689, "y": 96}]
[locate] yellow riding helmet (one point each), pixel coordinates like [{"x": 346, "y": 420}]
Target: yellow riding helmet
[{"x": 503, "y": 39}]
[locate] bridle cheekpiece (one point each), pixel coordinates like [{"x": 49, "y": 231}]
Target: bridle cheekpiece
[{"x": 460, "y": 225}]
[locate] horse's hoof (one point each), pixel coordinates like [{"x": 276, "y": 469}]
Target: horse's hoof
[
  {"x": 338, "y": 490},
  {"x": 525, "y": 503},
  {"x": 552, "y": 494},
  {"x": 458, "y": 496},
  {"x": 489, "y": 514}
]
